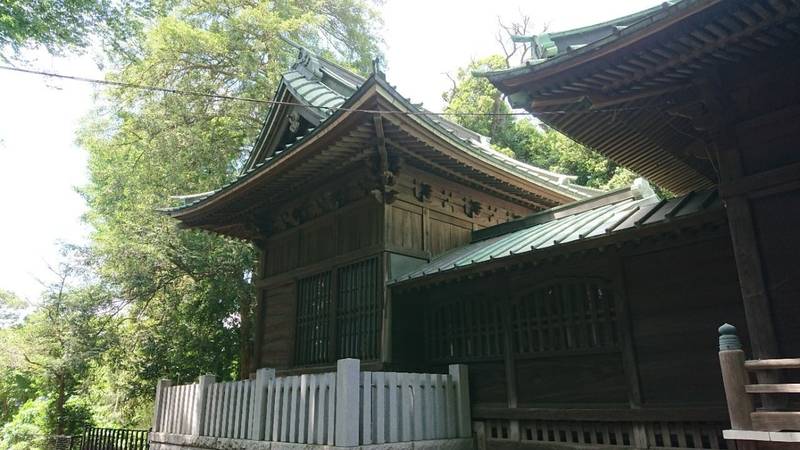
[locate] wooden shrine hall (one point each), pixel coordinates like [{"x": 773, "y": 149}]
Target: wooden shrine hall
[{"x": 517, "y": 308}]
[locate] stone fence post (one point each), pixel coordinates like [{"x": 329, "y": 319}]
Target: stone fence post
[
  {"x": 198, "y": 409},
  {"x": 460, "y": 376},
  {"x": 348, "y": 380},
  {"x": 161, "y": 393},
  {"x": 264, "y": 377}
]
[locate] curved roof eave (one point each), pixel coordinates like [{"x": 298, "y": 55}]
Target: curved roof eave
[
  {"x": 648, "y": 24},
  {"x": 257, "y": 171}
]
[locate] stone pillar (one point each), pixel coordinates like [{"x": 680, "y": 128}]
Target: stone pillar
[
  {"x": 460, "y": 376},
  {"x": 348, "y": 373},
  {"x": 161, "y": 394},
  {"x": 198, "y": 409}
]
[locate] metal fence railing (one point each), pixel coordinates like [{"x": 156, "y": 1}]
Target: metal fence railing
[{"x": 110, "y": 439}]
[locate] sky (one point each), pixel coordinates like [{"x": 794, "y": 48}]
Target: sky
[{"x": 41, "y": 164}]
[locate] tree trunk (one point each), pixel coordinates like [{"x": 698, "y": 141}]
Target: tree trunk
[{"x": 60, "y": 401}]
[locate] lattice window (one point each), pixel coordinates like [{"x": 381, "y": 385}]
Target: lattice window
[
  {"x": 467, "y": 329},
  {"x": 313, "y": 319},
  {"x": 358, "y": 310},
  {"x": 612, "y": 434},
  {"x": 342, "y": 321},
  {"x": 564, "y": 316}
]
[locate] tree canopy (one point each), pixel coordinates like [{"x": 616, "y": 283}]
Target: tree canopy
[
  {"x": 527, "y": 140},
  {"x": 159, "y": 301},
  {"x": 60, "y": 25}
]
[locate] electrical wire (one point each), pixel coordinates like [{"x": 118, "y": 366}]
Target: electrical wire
[{"x": 282, "y": 103}]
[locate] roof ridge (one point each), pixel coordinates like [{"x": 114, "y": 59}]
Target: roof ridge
[
  {"x": 634, "y": 15},
  {"x": 639, "y": 189}
]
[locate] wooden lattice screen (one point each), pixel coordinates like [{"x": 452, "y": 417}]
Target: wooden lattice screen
[
  {"x": 561, "y": 316},
  {"x": 358, "y": 310},
  {"x": 313, "y": 319},
  {"x": 349, "y": 314},
  {"x": 464, "y": 330},
  {"x": 564, "y": 316}
]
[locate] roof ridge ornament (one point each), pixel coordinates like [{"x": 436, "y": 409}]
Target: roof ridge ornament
[
  {"x": 376, "y": 68},
  {"x": 308, "y": 65}
]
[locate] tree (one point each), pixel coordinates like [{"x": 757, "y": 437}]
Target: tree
[
  {"x": 189, "y": 295},
  {"x": 70, "y": 24},
  {"x": 528, "y": 140},
  {"x": 48, "y": 354},
  {"x": 12, "y": 308}
]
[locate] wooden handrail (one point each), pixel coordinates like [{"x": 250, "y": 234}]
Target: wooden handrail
[
  {"x": 772, "y": 364},
  {"x": 738, "y": 388},
  {"x": 787, "y": 388}
]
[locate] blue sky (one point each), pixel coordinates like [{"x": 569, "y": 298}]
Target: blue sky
[{"x": 40, "y": 164}]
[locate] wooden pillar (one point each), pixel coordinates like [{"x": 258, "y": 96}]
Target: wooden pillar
[
  {"x": 386, "y": 313},
  {"x": 755, "y": 295},
  {"x": 510, "y": 368},
  {"x": 260, "y": 312},
  {"x": 734, "y": 378},
  {"x": 746, "y": 252}
]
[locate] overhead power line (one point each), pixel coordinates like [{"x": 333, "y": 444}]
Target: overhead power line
[{"x": 168, "y": 90}]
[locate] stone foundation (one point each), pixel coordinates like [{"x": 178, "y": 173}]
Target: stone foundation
[{"x": 167, "y": 441}]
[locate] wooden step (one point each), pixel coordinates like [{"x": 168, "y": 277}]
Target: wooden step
[
  {"x": 776, "y": 420},
  {"x": 788, "y": 388},
  {"x": 772, "y": 364}
]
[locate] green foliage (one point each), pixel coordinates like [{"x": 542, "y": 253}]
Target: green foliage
[
  {"x": 527, "y": 141},
  {"x": 34, "y": 422},
  {"x": 70, "y": 24},
  {"x": 187, "y": 294},
  {"x": 28, "y": 425},
  {"x": 12, "y": 308},
  {"x": 147, "y": 300}
]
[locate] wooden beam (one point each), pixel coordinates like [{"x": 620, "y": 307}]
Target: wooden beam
[
  {"x": 680, "y": 414},
  {"x": 750, "y": 185}
]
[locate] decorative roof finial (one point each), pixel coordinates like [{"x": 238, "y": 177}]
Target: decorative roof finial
[
  {"x": 728, "y": 340},
  {"x": 308, "y": 65},
  {"x": 376, "y": 69}
]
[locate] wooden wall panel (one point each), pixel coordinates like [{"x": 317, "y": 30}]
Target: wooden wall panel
[
  {"x": 448, "y": 197},
  {"x": 678, "y": 297},
  {"x": 487, "y": 383},
  {"x": 405, "y": 226},
  {"x": 359, "y": 227},
  {"x": 777, "y": 219},
  {"x": 317, "y": 242},
  {"x": 279, "y": 323},
  {"x": 584, "y": 379},
  {"x": 770, "y": 143},
  {"x": 282, "y": 253},
  {"x": 447, "y": 232}
]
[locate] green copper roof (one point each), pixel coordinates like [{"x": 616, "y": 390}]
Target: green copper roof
[
  {"x": 552, "y": 47},
  {"x": 593, "y": 218},
  {"x": 324, "y": 86}
]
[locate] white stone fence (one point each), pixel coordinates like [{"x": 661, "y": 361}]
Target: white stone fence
[{"x": 345, "y": 408}]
